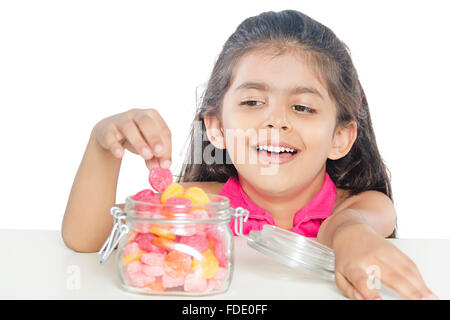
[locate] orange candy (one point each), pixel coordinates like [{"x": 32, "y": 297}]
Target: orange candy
[
  {"x": 196, "y": 195},
  {"x": 132, "y": 257},
  {"x": 163, "y": 233},
  {"x": 173, "y": 190},
  {"x": 207, "y": 266},
  {"x": 163, "y": 243},
  {"x": 156, "y": 286},
  {"x": 177, "y": 264},
  {"x": 211, "y": 244}
]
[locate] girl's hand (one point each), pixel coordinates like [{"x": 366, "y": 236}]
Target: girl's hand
[
  {"x": 141, "y": 131},
  {"x": 361, "y": 256}
]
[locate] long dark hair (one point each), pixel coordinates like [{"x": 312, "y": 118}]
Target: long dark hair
[{"x": 362, "y": 168}]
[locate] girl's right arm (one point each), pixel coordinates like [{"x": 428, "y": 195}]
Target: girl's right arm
[{"x": 87, "y": 221}]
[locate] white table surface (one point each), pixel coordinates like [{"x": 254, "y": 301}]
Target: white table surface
[{"x": 36, "y": 264}]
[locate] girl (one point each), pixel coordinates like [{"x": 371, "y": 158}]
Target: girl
[{"x": 291, "y": 83}]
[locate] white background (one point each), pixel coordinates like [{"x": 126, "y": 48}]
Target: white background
[{"x": 65, "y": 65}]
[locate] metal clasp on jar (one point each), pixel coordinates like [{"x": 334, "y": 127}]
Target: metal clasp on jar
[
  {"x": 241, "y": 216},
  {"x": 118, "y": 231}
]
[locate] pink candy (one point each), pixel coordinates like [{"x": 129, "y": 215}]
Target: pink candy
[
  {"x": 131, "y": 247},
  {"x": 220, "y": 253},
  {"x": 144, "y": 241},
  {"x": 196, "y": 241},
  {"x": 160, "y": 178},
  {"x": 171, "y": 282},
  {"x": 195, "y": 283},
  {"x": 154, "y": 271},
  {"x": 153, "y": 259},
  {"x": 136, "y": 276}
]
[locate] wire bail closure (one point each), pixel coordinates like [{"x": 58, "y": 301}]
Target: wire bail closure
[
  {"x": 118, "y": 231},
  {"x": 241, "y": 215}
]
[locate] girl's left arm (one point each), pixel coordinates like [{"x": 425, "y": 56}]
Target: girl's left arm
[{"x": 356, "y": 231}]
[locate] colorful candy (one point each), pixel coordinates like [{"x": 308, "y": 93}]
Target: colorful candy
[
  {"x": 162, "y": 232},
  {"x": 194, "y": 283},
  {"x": 160, "y": 178},
  {"x": 171, "y": 282},
  {"x": 197, "y": 242},
  {"x": 196, "y": 195},
  {"x": 174, "y": 190},
  {"x": 156, "y": 286},
  {"x": 171, "y": 210},
  {"x": 159, "y": 256},
  {"x": 207, "y": 266},
  {"x": 177, "y": 264},
  {"x": 163, "y": 243},
  {"x": 147, "y": 196},
  {"x": 132, "y": 257}
]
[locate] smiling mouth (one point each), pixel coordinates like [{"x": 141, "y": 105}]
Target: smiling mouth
[{"x": 275, "y": 155}]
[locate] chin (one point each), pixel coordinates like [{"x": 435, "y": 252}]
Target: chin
[{"x": 275, "y": 183}]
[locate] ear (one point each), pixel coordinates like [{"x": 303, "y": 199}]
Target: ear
[
  {"x": 343, "y": 141},
  {"x": 214, "y": 131}
]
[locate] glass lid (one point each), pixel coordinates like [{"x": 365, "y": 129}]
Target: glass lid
[{"x": 289, "y": 248}]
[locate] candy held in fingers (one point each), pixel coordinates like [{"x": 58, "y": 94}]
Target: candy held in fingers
[{"x": 160, "y": 178}]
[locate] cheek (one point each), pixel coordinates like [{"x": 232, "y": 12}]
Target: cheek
[{"x": 316, "y": 136}]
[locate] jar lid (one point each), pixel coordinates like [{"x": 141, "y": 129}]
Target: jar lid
[{"x": 289, "y": 248}]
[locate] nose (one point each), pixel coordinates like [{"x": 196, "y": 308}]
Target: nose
[{"x": 277, "y": 119}]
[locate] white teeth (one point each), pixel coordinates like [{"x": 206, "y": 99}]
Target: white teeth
[{"x": 275, "y": 149}]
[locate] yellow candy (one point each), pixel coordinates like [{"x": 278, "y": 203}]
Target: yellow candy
[
  {"x": 132, "y": 257},
  {"x": 207, "y": 266},
  {"x": 196, "y": 195},
  {"x": 173, "y": 190},
  {"x": 163, "y": 233}
]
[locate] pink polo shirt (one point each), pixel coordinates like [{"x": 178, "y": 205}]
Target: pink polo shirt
[{"x": 307, "y": 220}]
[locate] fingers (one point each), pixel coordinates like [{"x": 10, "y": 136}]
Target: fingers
[
  {"x": 112, "y": 142},
  {"x": 411, "y": 272},
  {"x": 133, "y": 135},
  {"x": 154, "y": 162},
  {"x": 364, "y": 281},
  {"x": 155, "y": 131},
  {"x": 142, "y": 131},
  {"x": 358, "y": 292},
  {"x": 407, "y": 283}
]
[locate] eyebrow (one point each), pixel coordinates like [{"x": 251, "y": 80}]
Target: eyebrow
[{"x": 265, "y": 87}]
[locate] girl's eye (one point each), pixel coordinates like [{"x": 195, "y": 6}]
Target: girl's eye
[
  {"x": 250, "y": 102},
  {"x": 296, "y": 107},
  {"x": 303, "y": 108}
]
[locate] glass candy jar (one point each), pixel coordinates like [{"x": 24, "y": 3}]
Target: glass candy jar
[{"x": 172, "y": 249}]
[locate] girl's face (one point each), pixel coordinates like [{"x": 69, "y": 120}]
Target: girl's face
[{"x": 277, "y": 100}]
